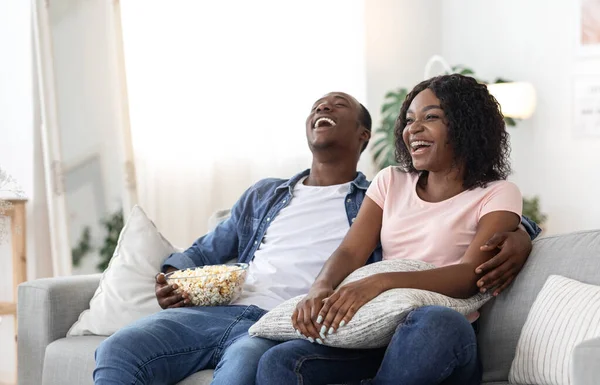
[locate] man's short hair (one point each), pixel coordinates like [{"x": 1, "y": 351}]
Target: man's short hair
[{"x": 365, "y": 121}]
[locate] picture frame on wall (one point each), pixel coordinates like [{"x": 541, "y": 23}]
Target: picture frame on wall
[
  {"x": 586, "y": 106},
  {"x": 588, "y": 28}
]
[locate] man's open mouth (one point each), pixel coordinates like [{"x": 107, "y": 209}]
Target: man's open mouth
[{"x": 324, "y": 122}]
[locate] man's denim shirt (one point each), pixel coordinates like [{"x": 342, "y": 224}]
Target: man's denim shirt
[{"x": 241, "y": 234}]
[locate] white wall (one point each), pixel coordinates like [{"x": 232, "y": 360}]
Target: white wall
[
  {"x": 210, "y": 116},
  {"x": 533, "y": 41},
  {"x": 400, "y": 36}
]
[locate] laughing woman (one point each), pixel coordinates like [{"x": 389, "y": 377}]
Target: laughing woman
[{"x": 446, "y": 198}]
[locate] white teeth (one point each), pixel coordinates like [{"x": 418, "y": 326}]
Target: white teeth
[
  {"x": 418, "y": 143},
  {"x": 324, "y": 120}
]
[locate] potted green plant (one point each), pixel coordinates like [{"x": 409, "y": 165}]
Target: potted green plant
[{"x": 113, "y": 225}]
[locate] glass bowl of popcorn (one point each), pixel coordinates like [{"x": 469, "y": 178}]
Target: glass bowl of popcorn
[{"x": 213, "y": 285}]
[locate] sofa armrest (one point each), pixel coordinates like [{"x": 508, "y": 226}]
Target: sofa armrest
[
  {"x": 46, "y": 309},
  {"x": 584, "y": 364}
]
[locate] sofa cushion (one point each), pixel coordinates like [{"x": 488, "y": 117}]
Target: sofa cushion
[
  {"x": 575, "y": 255},
  {"x": 126, "y": 290},
  {"x": 71, "y": 361}
]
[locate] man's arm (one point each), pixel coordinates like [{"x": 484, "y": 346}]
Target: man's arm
[
  {"x": 513, "y": 249},
  {"x": 530, "y": 227},
  {"x": 216, "y": 247}
]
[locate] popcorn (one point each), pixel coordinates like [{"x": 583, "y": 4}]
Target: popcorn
[{"x": 211, "y": 285}]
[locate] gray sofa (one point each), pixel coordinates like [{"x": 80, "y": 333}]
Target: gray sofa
[{"x": 48, "y": 307}]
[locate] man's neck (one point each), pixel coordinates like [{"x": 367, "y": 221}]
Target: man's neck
[{"x": 330, "y": 173}]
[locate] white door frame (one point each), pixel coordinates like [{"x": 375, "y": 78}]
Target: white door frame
[
  {"x": 50, "y": 133},
  {"x": 57, "y": 209},
  {"x": 129, "y": 193}
]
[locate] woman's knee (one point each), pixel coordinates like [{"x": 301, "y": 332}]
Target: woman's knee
[
  {"x": 276, "y": 356},
  {"x": 278, "y": 364},
  {"x": 442, "y": 322}
]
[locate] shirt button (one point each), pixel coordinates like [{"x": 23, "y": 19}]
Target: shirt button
[
  {"x": 284, "y": 200},
  {"x": 349, "y": 200},
  {"x": 256, "y": 242},
  {"x": 353, "y": 219},
  {"x": 268, "y": 219}
]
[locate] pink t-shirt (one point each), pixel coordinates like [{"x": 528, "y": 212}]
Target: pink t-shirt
[{"x": 440, "y": 232}]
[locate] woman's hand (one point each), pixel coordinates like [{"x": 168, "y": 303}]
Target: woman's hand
[
  {"x": 305, "y": 316},
  {"x": 339, "y": 308}
]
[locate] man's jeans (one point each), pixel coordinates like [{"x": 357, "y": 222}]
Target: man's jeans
[
  {"x": 435, "y": 345},
  {"x": 171, "y": 345}
]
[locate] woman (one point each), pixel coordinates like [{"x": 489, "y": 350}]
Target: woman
[{"x": 446, "y": 198}]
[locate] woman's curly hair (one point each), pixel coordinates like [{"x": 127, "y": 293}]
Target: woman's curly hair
[{"x": 476, "y": 129}]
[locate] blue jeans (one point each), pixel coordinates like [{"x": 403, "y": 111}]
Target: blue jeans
[
  {"x": 173, "y": 344},
  {"x": 434, "y": 345}
]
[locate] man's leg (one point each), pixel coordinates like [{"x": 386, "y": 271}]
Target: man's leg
[
  {"x": 170, "y": 345},
  {"x": 300, "y": 362},
  {"x": 240, "y": 361},
  {"x": 435, "y": 345}
]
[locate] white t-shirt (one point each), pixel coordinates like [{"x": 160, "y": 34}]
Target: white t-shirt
[{"x": 296, "y": 245}]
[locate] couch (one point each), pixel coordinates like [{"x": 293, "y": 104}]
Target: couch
[{"x": 48, "y": 307}]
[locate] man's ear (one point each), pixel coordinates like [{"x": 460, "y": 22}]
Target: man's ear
[{"x": 366, "y": 134}]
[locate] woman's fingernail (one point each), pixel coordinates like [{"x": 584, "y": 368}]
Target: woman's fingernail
[
  {"x": 319, "y": 319},
  {"x": 322, "y": 335},
  {"x": 319, "y": 341},
  {"x": 331, "y": 330},
  {"x": 483, "y": 289},
  {"x": 342, "y": 324},
  {"x": 298, "y": 332},
  {"x": 174, "y": 286},
  {"x": 323, "y": 329},
  {"x": 312, "y": 340}
]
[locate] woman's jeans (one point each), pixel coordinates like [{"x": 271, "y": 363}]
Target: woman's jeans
[
  {"x": 173, "y": 344},
  {"x": 434, "y": 345}
]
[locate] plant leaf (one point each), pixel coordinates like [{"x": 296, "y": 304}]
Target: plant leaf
[
  {"x": 501, "y": 80},
  {"x": 510, "y": 121}
]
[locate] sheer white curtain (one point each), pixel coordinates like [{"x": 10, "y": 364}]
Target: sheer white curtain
[{"x": 219, "y": 92}]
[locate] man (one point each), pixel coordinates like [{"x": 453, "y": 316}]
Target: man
[{"x": 285, "y": 230}]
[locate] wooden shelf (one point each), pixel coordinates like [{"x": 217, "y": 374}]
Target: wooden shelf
[
  {"x": 19, "y": 259},
  {"x": 8, "y": 308}
]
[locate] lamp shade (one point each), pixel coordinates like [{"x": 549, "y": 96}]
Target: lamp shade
[{"x": 517, "y": 99}]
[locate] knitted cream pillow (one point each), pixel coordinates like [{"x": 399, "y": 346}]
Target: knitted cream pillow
[
  {"x": 373, "y": 324},
  {"x": 565, "y": 313}
]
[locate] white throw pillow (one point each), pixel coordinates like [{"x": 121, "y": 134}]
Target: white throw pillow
[
  {"x": 565, "y": 313},
  {"x": 373, "y": 324},
  {"x": 126, "y": 290}
]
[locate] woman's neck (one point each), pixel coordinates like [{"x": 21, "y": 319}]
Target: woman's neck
[{"x": 439, "y": 186}]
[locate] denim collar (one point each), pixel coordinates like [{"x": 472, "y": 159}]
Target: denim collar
[{"x": 360, "y": 182}]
